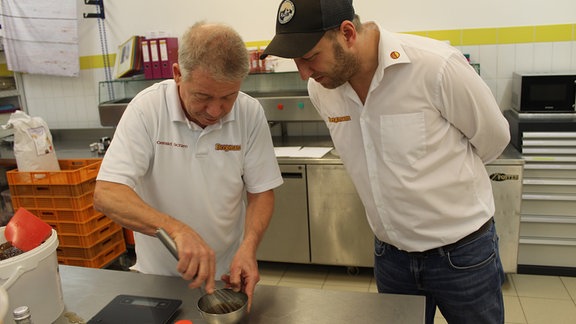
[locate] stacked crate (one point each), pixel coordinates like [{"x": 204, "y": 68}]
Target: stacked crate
[{"x": 64, "y": 199}]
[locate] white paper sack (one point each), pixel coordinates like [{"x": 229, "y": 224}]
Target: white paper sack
[{"x": 33, "y": 147}]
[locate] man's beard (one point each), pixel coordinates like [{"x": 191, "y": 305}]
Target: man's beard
[{"x": 346, "y": 65}]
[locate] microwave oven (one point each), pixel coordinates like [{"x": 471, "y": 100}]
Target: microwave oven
[{"x": 544, "y": 92}]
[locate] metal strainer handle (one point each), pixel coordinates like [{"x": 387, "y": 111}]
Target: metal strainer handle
[{"x": 167, "y": 241}]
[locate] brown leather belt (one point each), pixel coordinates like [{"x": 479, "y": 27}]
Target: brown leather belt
[{"x": 469, "y": 238}]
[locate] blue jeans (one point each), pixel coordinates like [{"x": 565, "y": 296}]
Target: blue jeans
[{"x": 465, "y": 282}]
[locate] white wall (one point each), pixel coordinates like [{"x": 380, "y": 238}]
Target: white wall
[
  {"x": 255, "y": 19},
  {"x": 72, "y": 102},
  {"x": 412, "y": 15}
]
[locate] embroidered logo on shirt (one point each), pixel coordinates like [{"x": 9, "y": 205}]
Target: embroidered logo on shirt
[
  {"x": 172, "y": 144},
  {"x": 227, "y": 147},
  {"x": 394, "y": 55},
  {"x": 339, "y": 119}
]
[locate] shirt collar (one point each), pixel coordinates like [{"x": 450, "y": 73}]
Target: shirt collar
[
  {"x": 173, "y": 103},
  {"x": 390, "y": 52}
]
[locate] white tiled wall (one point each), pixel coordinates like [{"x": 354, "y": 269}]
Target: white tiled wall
[
  {"x": 65, "y": 102},
  {"x": 69, "y": 103},
  {"x": 497, "y": 62}
]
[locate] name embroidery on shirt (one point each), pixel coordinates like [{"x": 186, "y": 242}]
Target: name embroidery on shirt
[
  {"x": 339, "y": 119},
  {"x": 171, "y": 144},
  {"x": 227, "y": 147}
]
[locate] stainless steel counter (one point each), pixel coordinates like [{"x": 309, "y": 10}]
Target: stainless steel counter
[
  {"x": 87, "y": 290},
  {"x": 70, "y": 144}
]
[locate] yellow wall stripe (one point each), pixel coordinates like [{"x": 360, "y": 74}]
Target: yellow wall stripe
[
  {"x": 96, "y": 61},
  {"x": 480, "y": 36},
  {"x": 504, "y": 35},
  {"x": 454, "y": 36},
  {"x": 513, "y": 35},
  {"x": 4, "y": 72},
  {"x": 257, "y": 43},
  {"x": 554, "y": 33}
]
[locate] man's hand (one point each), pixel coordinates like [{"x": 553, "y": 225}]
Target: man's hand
[
  {"x": 244, "y": 274},
  {"x": 196, "y": 260}
]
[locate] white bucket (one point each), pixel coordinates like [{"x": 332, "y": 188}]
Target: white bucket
[
  {"x": 3, "y": 304},
  {"x": 32, "y": 279}
]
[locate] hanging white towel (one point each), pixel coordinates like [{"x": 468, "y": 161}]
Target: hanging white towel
[{"x": 41, "y": 37}]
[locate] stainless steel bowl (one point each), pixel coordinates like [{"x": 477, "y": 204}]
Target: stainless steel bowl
[{"x": 224, "y": 306}]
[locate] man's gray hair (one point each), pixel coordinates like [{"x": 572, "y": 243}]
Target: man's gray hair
[{"x": 216, "y": 48}]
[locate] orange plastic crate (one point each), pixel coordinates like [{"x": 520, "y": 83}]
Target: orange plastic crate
[
  {"x": 71, "y": 172},
  {"x": 53, "y": 190},
  {"x": 100, "y": 261},
  {"x": 66, "y": 215},
  {"x": 85, "y": 228},
  {"x": 70, "y": 240},
  {"x": 47, "y": 202},
  {"x": 90, "y": 252}
]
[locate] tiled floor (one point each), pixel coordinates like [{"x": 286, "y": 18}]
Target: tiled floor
[{"x": 528, "y": 299}]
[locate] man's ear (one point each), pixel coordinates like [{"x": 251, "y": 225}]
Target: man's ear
[
  {"x": 348, "y": 30},
  {"x": 176, "y": 72}
]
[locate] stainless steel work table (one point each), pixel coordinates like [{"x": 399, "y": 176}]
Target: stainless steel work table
[{"x": 88, "y": 290}]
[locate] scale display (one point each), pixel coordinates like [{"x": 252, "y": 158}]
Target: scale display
[{"x": 137, "y": 309}]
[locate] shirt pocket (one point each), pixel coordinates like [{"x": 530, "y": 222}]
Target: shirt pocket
[{"x": 403, "y": 137}]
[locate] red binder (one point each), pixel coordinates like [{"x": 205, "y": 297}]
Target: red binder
[
  {"x": 146, "y": 58},
  {"x": 155, "y": 59},
  {"x": 168, "y": 48}
]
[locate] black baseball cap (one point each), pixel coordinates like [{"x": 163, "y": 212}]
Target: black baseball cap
[{"x": 300, "y": 24}]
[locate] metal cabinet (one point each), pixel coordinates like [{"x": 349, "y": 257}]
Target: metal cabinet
[
  {"x": 339, "y": 231},
  {"x": 547, "y": 142},
  {"x": 506, "y": 182},
  {"x": 548, "y": 216},
  {"x": 340, "y": 234},
  {"x": 286, "y": 239},
  {"x": 320, "y": 219}
]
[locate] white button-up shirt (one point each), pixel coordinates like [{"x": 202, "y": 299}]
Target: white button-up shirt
[{"x": 416, "y": 149}]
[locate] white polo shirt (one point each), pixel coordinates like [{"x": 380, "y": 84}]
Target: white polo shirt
[
  {"x": 196, "y": 175},
  {"x": 416, "y": 149}
]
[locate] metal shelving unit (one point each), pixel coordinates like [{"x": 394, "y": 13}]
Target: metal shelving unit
[
  {"x": 11, "y": 94},
  {"x": 548, "y": 215}
]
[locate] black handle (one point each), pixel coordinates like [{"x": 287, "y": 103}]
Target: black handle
[{"x": 292, "y": 175}]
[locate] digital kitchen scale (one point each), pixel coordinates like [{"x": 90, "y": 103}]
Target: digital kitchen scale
[{"x": 137, "y": 309}]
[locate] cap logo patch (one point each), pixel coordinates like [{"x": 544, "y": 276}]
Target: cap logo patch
[{"x": 286, "y": 12}]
